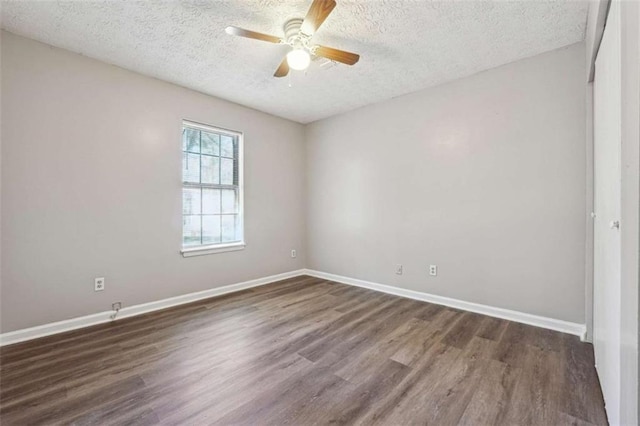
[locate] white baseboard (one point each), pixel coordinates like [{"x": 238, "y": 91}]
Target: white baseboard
[
  {"x": 103, "y": 317},
  {"x": 579, "y": 330}
]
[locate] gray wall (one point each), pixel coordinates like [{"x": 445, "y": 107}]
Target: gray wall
[
  {"x": 484, "y": 177},
  {"x": 91, "y": 186}
]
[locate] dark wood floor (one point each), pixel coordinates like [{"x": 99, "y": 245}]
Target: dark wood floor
[{"x": 303, "y": 351}]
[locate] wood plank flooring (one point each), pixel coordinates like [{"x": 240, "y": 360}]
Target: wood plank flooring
[{"x": 303, "y": 351}]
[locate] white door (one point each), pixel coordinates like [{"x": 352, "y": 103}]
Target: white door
[{"x": 607, "y": 180}]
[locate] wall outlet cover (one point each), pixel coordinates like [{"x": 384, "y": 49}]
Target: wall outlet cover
[{"x": 98, "y": 284}]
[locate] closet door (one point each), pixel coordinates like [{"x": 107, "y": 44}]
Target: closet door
[{"x": 607, "y": 181}]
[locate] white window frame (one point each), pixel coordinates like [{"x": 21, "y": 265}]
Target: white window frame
[{"x": 189, "y": 251}]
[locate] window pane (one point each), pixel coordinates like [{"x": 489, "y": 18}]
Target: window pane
[
  {"x": 226, "y": 146},
  {"x": 229, "y": 228},
  {"x": 226, "y": 172},
  {"x": 190, "y": 140},
  {"x": 229, "y": 204},
  {"x": 210, "y": 213},
  {"x": 210, "y": 229},
  {"x": 190, "y": 201},
  {"x": 210, "y": 201},
  {"x": 191, "y": 168},
  {"x": 210, "y": 169},
  {"x": 210, "y": 143},
  {"x": 190, "y": 230}
]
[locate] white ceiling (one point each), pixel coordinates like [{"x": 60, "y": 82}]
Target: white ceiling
[{"x": 404, "y": 45}]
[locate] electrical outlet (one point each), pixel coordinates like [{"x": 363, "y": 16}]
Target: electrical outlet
[
  {"x": 398, "y": 269},
  {"x": 98, "y": 284},
  {"x": 293, "y": 254},
  {"x": 433, "y": 270}
]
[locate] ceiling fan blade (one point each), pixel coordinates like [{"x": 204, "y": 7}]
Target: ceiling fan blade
[
  {"x": 316, "y": 15},
  {"x": 283, "y": 69},
  {"x": 241, "y": 32},
  {"x": 336, "y": 55}
]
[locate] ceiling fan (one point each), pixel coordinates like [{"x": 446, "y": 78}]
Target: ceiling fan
[{"x": 297, "y": 34}]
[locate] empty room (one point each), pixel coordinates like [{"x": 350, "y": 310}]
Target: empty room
[{"x": 314, "y": 212}]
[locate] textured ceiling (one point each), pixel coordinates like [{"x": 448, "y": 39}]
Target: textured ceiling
[{"x": 404, "y": 45}]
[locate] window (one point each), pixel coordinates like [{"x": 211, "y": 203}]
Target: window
[{"x": 211, "y": 190}]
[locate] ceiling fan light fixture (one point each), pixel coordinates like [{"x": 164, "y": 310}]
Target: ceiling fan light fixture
[{"x": 298, "y": 59}]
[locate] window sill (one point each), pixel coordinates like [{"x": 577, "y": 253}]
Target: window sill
[{"x": 218, "y": 248}]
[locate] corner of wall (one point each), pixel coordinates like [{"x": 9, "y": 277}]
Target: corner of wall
[
  {"x": 596, "y": 19},
  {"x": 589, "y": 175},
  {"x": 305, "y": 182}
]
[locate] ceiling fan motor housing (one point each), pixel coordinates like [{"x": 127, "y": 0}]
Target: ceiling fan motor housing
[{"x": 292, "y": 33}]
